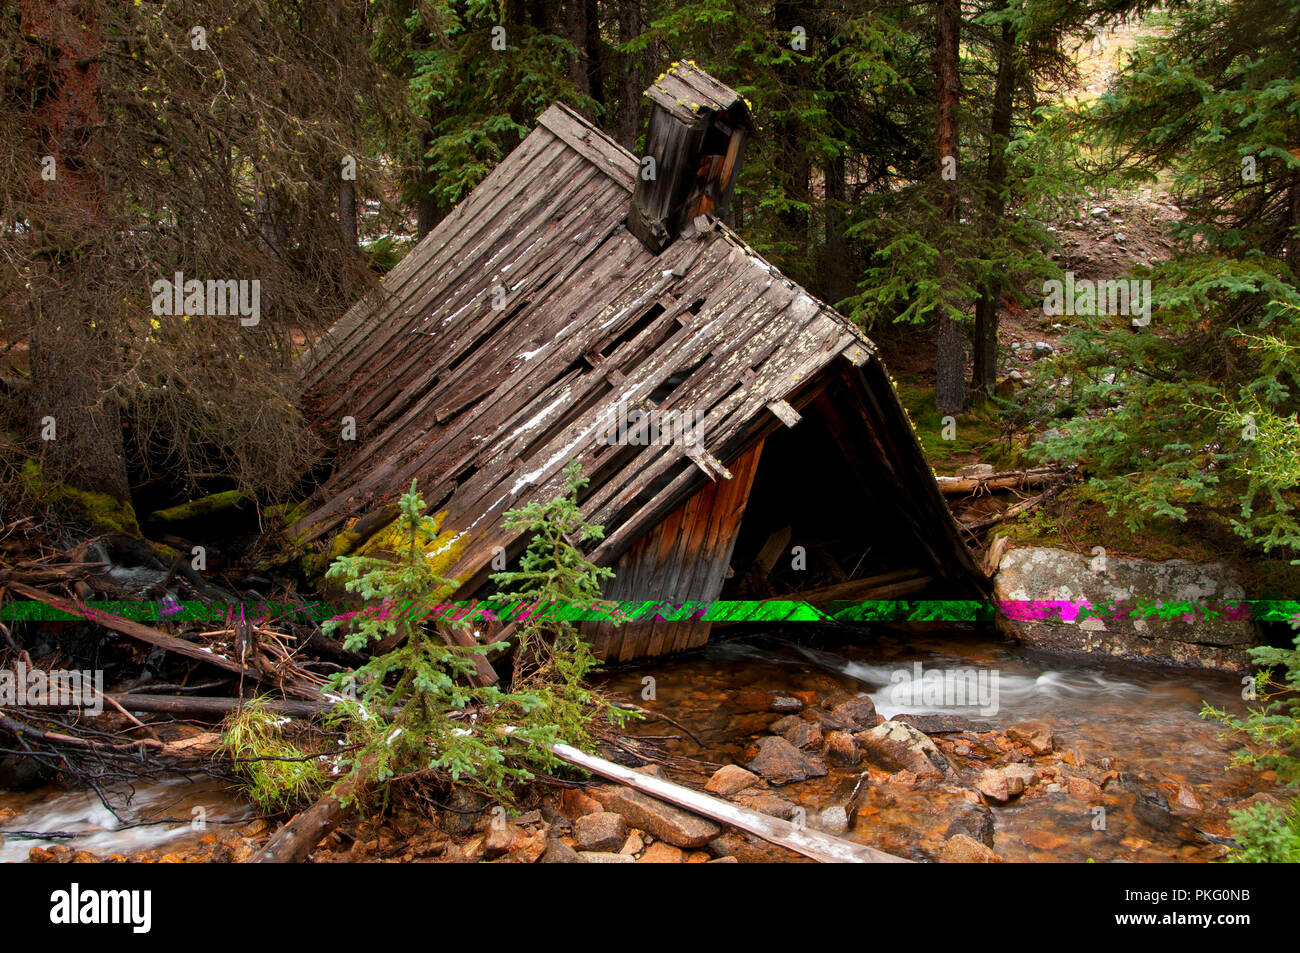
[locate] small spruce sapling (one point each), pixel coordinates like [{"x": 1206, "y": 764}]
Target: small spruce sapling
[
  {"x": 413, "y": 710},
  {"x": 558, "y": 584}
]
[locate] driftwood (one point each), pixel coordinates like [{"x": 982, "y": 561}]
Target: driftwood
[
  {"x": 993, "y": 556},
  {"x": 1006, "y": 480}
]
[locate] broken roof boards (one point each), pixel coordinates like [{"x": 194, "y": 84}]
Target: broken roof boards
[{"x": 496, "y": 350}]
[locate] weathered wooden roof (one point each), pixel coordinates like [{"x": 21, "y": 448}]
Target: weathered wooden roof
[
  {"x": 684, "y": 90},
  {"x": 486, "y": 406}
]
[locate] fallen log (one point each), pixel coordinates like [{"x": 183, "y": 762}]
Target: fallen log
[
  {"x": 152, "y": 636},
  {"x": 293, "y": 843},
  {"x": 194, "y": 706},
  {"x": 1015, "y": 510},
  {"x": 1006, "y": 480},
  {"x": 134, "y": 629},
  {"x": 889, "y": 585}
]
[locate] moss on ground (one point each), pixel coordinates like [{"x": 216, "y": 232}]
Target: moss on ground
[
  {"x": 977, "y": 436},
  {"x": 87, "y": 507},
  {"x": 203, "y": 506}
]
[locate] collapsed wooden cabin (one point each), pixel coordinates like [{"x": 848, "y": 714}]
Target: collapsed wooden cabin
[{"x": 576, "y": 286}]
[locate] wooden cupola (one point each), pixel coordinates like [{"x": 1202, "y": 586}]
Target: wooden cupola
[{"x": 697, "y": 134}]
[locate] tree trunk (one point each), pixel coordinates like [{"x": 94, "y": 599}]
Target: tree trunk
[
  {"x": 837, "y": 280},
  {"x": 950, "y": 357},
  {"x": 985, "y": 376},
  {"x": 595, "y": 58},
  {"x": 428, "y": 210},
  {"x": 629, "y": 83},
  {"x": 348, "y": 214},
  {"x": 795, "y": 167},
  {"x": 73, "y": 307},
  {"x": 1292, "y": 241},
  {"x": 575, "y": 28},
  {"x": 837, "y": 284}
]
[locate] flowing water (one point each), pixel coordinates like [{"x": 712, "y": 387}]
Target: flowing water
[
  {"x": 1140, "y": 721},
  {"x": 173, "y": 813}
]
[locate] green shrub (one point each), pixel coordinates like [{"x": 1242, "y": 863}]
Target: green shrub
[
  {"x": 551, "y": 655},
  {"x": 278, "y": 774},
  {"x": 1269, "y": 834}
]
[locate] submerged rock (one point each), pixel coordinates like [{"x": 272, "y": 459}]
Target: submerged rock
[
  {"x": 769, "y": 804},
  {"x": 974, "y": 821},
  {"x": 780, "y": 762},
  {"x": 961, "y": 849},
  {"x": 834, "y": 819}
]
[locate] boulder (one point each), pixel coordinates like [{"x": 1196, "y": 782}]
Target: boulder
[
  {"x": 780, "y": 762},
  {"x": 961, "y": 849},
  {"x": 605, "y": 830},
  {"x": 731, "y": 778},
  {"x": 1031, "y": 579},
  {"x": 662, "y": 821},
  {"x": 897, "y": 746}
]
